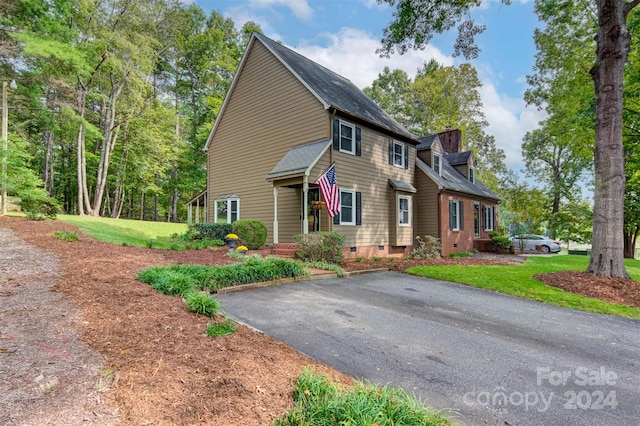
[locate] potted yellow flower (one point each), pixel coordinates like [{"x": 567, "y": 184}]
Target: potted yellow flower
[
  {"x": 231, "y": 240},
  {"x": 242, "y": 249}
]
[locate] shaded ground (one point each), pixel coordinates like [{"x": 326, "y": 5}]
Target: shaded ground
[
  {"x": 147, "y": 355},
  {"x": 103, "y": 348}
]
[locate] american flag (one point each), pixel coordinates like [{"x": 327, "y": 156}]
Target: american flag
[{"x": 329, "y": 189}]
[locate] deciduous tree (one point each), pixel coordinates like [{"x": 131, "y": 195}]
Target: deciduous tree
[{"x": 416, "y": 21}]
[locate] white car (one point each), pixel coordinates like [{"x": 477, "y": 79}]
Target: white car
[{"x": 536, "y": 243}]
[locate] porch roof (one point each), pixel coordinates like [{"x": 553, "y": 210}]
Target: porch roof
[
  {"x": 299, "y": 160},
  {"x": 399, "y": 185}
]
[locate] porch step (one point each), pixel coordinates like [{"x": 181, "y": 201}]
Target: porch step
[{"x": 287, "y": 250}]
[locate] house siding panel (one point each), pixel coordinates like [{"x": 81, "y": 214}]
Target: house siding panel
[
  {"x": 276, "y": 113},
  {"x": 426, "y": 206},
  {"x": 369, "y": 174}
]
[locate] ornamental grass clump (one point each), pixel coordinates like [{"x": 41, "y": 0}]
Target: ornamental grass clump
[
  {"x": 203, "y": 304},
  {"x": 320, "y": 402}
]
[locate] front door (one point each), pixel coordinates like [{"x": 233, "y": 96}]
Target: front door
[{"x": 313, "y": 214}]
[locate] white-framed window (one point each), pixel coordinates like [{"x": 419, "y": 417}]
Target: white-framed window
[
  {"x": 226, "y": 210},
  {"x": 404, "y": 210},
  {"x": 347, "y": 207},
  {"x": 347, "y": 137},
  {"x": 398, "y": 154},
  {"x": 436, "y": 163},
  {"x": 472, "y": 176},
  {"x": 488, "y": 217}
]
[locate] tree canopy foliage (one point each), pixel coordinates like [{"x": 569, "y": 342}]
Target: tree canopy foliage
[
  {"x": 437, "y": 98},
  {"x": 415, "y": 21},
  {"x": 117, "y": 98}
]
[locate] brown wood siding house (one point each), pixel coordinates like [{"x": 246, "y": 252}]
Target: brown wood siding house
[{"x": 284, "y": 121}]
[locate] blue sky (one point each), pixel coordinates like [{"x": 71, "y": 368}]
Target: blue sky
[{"x": 344, "y": 34}]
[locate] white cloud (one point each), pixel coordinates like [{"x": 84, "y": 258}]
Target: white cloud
[
  {"x": 509, "y": 120},
  {"x": 300, "y": 8},
  {"x": 352, "y": 54}
]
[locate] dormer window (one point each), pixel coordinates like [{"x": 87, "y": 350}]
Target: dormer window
[
  {"x": 436, "y": 163},
  {"x": 472, "y": 177}
]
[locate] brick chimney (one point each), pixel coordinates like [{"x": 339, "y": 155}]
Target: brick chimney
[{"x": 451, "y": 140}]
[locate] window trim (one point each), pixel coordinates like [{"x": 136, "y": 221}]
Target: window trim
[
  {"x": 353, "y": 207},
  {"x": 476, "y": 207},
  {"x": 488, "y": 218},
  {"x": 433, "y": 163},
  {"x": 353, "y": 137},
  {"x": 228, "y": 201},
  {"x": 395, "y": 144},
  {"x": 457, "y": 215},
  {"x": 408, "y": 198},
  {"x": 472, "y": 175}
]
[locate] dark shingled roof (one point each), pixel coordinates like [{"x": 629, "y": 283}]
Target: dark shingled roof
[
  {"x": 426, "y": 142},
  {"x": 458, "y": 158},
  {"x": 453, "y": 180},
  {"x": 334, "y": 90}
]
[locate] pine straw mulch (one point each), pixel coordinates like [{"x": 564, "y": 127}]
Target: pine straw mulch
[
  {"x": 154, "y": 361},
  {"x": 156, "y": 365}
]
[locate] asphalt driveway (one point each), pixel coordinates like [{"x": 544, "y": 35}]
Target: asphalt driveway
[{"x": 495, "y": 359}]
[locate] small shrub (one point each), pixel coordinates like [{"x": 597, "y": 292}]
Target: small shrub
[
  {"x": 221, "y": 329},
  {"x": 458, "y": 255},
  {"x": 38, "y": 205},
  {"x": 359, "y": 259},
  {"x": 252, "y": 233},
  {"x": 201, "y": 303},
  {"x": 376, "y": 259},
  {"x": 317, "y": 246},
  {"x": 149, "y": 244},
  {"x": 428, "y": 248},
  {"x": 67, "y": 236},
  {"x": 501, "y": 244},
  {"x": 327, "y": 267},
  {"x": 212, "y": 231},
  {"x": 35, "y": 216}
]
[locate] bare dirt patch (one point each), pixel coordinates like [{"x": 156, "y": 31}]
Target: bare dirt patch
[{"x": 145, "y": 357}]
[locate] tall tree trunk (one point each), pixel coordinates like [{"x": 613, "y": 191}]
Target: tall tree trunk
[
  {"x": 174, "y": 197},
  {"x": 630, "y": 239},
  {"x": 607, "y": 257},
  {"x": 47, "y": 177},
  {"x": 142, "y": 206},
  {"x": 110, "y": 132}
]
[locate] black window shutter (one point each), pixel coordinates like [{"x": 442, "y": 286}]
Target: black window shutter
[
  {"x": 336, "y": 133},
  {"x": 406, "y": 157},
  {"x": 451, "y": 214},
  {"x": 358, "y": 141},
  {"x": 495, "y": 222},
  {"x": 390, "y": 151},
  {"x": 336, "y": 219},
  {"x": 358, "y": 208},
  {"x": 461, "y": 208}
]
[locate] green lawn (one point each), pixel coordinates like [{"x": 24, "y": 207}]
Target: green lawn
[
  {"x": 516, "y": 280},
  {"x": 124, "y": 231}
]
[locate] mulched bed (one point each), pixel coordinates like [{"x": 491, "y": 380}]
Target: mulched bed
[
  {"x": 109, "y": 349},
  {"x": 614, "y": 290}
]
